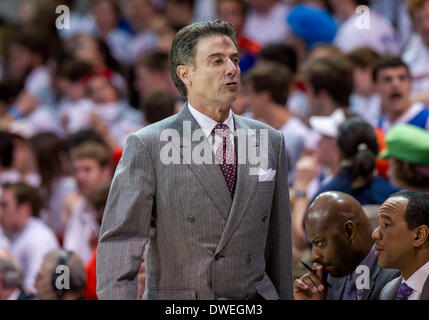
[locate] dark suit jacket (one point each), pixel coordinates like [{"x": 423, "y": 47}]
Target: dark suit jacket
[
  {"x": 379, "y": 278},
  {"x": 391, "y": 289}
]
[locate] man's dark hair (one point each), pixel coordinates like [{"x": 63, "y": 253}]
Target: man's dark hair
[
  {"x": 25, "y": 193},
  {"x": 361, "y": 2},
  {"x": 154, "y": 61},
  {"x": 281, "y": 53},
  {"x": 48, "y": 149},
  {"x": 334, "y": 74},
  {"x": 417, "y": 211},
  {"x": 92, "y": 150},
  {"x": 185, "y": 41},
  {"x": 6, "y": 149},
  {"x": 407, "y": 174},
  {"x": 363, "y": 57},
  {"x": 158, "y": 106},
  {"x": 35, "y": 42},
  {"x": 272, "y": 77},
  {"x": 388, "y": 61},
  {"x": 358, "y": 143},
  {"x": 242, "y": 3},
  {"x": 10, "y": 89},
  {"x": 74, "y": 70}
]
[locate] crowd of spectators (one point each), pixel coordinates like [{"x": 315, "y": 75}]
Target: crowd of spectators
[{"x": 348, "y": 88}]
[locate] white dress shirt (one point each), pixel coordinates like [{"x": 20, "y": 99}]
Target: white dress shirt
[
  {"x": 417, "y": 281},
  {"x": 81, "y": 228},
  {"x": 207, "y": 124},
  {"x": 416, "y": 56},
  {"x": 30, "y": 246}
]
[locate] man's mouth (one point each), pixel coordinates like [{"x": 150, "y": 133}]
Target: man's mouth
[
  {"x": 231, "y": 84},
  {"x": 378, "y": 250},
  {"x": 395, "y": 96}
]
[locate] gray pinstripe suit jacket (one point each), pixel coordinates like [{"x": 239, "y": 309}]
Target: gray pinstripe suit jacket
[{"x": 205, "y": 245}]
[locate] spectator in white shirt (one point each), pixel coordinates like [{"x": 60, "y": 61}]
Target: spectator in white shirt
[
  {"x": 106, "y": 14},
  {"x": 27, "y": 57},
  {"x": 268, "y": 86},
  {"x": 393, "y": 83},
  {"x": 379, "y": 34},
  {"x": 153, "y": 74},
  {"x": 75, "y": 106},
  {"x": 92, "y": 167},
  {"x": 96, "y": 52},
  {"x": 29, "y": 237},
  {"x": 23, "y": 160},
  {"x": 110, "y": 115},
  {"x": 416, "y": 54},
  {"x": 179, "y": 13},
  {"x": 141, "y": 14},
  {"x": 402, "y": 242},
  {"x": 265, "y": 22},
  {"x": 364, "y": 101},
  {"x": 50, "y": 153}
]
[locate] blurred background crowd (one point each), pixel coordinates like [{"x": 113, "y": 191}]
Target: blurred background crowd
[{"x": 343, "y": 84}]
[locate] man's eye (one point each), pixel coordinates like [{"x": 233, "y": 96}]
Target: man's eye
[
  {"x": 218, "y": 61},
  {"x": 385, "y": 225},
  {"x": 320, "y": 244}
]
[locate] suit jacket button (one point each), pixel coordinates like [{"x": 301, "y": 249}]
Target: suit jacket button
[
  {"x": 218, "y": 256},
  {"x": 249, "y": 258},
  {"x": 191, "y": 219},
  {"x": 264, "y": 218}
]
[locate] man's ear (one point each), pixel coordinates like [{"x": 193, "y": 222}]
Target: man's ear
[
  {"x": 421, "y": 234},
  {"x": 183, "y": 73},
  {"x": 349, "y": 230}
]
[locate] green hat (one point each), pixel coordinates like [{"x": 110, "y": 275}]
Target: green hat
[{"x": 407, "y": 143}]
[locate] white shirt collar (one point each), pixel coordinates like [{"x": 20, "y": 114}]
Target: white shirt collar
[
  {"x": 207, "y": 124},
  {"x": 418, "y": 278}
]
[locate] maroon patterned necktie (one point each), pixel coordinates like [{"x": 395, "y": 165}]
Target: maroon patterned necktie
[{"x": 225, "y": 156}]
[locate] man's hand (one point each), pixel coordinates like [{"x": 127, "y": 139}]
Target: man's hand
[{"x": 310, "y": 286}]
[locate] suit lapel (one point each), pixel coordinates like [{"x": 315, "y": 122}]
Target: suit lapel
[
  {"x": 209, "y": 175},
  {"x": 244, "y": 188},
  {"x": 375, "y": 270},
  {"x": 425, "y": 291},
  {"x": 338, "y": 287}
]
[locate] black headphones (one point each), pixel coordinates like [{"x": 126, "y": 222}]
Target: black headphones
[{"x": 64, "y": 257}]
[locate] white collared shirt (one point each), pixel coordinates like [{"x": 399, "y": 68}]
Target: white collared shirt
[
  {"x": 207, "y": 124},
  {"x": 417, "y": 281}
]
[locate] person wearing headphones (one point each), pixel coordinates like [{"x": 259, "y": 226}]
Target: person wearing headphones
[{"x": 60, "y": 277}]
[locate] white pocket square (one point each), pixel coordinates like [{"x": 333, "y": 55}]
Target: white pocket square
[{"x": 266, "y": 175}]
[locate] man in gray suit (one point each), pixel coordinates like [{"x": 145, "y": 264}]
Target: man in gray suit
[
  {"x": 340, "y": 233},
  {"x": 217, "y": 229},
  {"x": 402, "y": 242}
]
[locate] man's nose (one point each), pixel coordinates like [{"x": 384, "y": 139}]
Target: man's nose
[
  {"x": 231, "y": 67},
  {"x": 315, "y": 255},
  {"x": 376, "y": 235}
]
